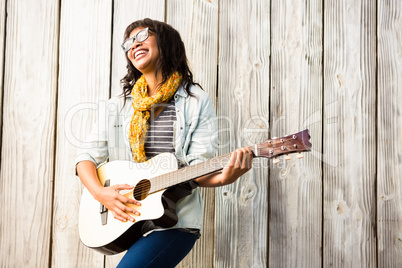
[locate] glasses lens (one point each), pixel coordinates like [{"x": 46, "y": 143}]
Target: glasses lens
[
  {"x": 128, "y": 44},
  {"x": 142, "y": 35}
]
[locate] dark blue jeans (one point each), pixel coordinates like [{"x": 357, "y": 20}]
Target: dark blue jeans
[{"x": 159, "y": 249}]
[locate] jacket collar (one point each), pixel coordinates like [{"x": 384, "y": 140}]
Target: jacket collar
[{"x": 180, "y": 91}]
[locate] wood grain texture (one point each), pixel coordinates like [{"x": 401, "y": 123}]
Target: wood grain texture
[
  {"x": 349, "y": 137},
  {"x": 29, "y": 109},
  {"x": 84, "y": 78},
  {"x": 296, "y": 104},
  {"x": 197, "y": 23},
  {"x": 241, "y": 221},
  {"x": 389, "y": 156},
  {"x": 126, "y": 12},
  {"x": 2, "y": 39}
]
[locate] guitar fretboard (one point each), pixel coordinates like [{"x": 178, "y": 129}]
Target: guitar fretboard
[{"x": 189, "y": 173}]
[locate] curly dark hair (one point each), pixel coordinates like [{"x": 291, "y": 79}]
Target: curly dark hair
[{"x": 172, "y": 56}]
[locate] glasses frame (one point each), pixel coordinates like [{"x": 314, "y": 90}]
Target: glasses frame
[{"x": 136, "y": 38}]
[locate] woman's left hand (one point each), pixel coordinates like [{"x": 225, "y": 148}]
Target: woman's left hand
[{"x": 240, "y": 162}]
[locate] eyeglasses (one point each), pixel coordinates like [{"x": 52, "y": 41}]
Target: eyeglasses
[{"x": 141, "y": 36}]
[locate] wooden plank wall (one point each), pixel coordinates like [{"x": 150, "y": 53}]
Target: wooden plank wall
[
  {"x": 243, "y": 101},
  {"x": 83, "y": 83},
  {"x": 2, "y": 38},
  {"x": 389, "y": 134},
  {"x": 350, "y": 94},
  {"x": 296, "y": 95},
  {"x": 271, "y": 68},
  {"x": 29, "y": 126}
]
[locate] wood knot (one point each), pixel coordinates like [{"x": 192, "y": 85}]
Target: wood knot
[
  {"x": 226, "y": 195},
  {"x": 341, "y": 207},
  {"x": 239, "y": 94},
  {"x": 340, "y": 80},
  {"x": 257, "y": 65},
  {"x": 248, "y": 193},
  {"x": 386, "y": 197},
  {"x": 62, "y": 222}
]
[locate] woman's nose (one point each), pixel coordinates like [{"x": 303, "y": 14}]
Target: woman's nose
[{"x": 135, "y": 45}]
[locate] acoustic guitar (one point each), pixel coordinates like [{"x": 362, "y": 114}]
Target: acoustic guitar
[{"x": 158, "y": 184}]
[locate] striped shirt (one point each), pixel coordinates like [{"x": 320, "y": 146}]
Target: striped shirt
[{"x": 160, "y": 133}]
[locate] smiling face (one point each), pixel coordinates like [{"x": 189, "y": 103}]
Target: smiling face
[{"x": 145, "y": 55}]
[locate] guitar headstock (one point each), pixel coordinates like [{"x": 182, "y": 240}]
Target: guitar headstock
[{"x": 295, "y": 143}]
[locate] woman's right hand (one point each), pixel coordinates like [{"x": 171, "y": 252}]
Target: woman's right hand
[
  {"x": 110, "y": 196},
  {"x": 115, "y": 202}
]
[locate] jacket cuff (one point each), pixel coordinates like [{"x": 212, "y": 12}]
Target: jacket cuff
[{"x": 83, "y": 157}]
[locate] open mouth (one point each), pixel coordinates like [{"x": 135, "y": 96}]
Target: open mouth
[{"x": 140, "y": 53}]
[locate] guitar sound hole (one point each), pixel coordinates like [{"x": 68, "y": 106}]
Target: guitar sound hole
[{"x": 141, "y": 190}]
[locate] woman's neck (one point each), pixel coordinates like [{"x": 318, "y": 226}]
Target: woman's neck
[{"x": 153, "y": 82}]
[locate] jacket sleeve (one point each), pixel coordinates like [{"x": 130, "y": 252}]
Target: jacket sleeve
[
  {"x": 94, "y": 147},
  {"x": 203, "y": 130}
]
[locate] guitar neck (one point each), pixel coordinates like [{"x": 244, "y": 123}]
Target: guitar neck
[
  {"x": 190, "y": 172},
  {"x": 271, "y": 148}
]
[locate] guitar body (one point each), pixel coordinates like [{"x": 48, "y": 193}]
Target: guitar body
[{"x": 111, "y": 236}]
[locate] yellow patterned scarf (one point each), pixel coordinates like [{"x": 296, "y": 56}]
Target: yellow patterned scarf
[{"x": 142, "y": 104}]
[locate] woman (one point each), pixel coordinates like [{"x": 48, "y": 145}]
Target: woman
[{"x": 159, "y": 97}]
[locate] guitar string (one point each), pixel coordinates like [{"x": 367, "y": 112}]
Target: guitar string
[
  {"x": 158, "y": 182},
  {"x": 167, "y": 179},
  {"x": 162, "y": 181},
  {"x": 202, "y": 168}
]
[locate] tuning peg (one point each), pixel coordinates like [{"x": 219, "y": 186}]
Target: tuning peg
[
  {"x": 287, "y": 157},
  {"x": 300, "y": 156},
  {"x": 275, "y": 161}
]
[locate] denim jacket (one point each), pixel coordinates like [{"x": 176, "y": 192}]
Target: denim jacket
[{"x": 195, "y": 140}]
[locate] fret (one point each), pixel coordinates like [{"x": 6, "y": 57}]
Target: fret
[{"x": 188, "y": 173}]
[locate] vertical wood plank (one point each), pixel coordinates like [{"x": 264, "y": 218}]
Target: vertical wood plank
[
  {"x": 243, "y": 99},
  {"x": 389, "y": 162},
  {"x": 197, "y": 22},
  {"x": 29, "y": 109},
  {"x": 349, "y": 136},
  {"x": 126, "y": 12},
  {"x": 84, "y": 77},
  {"x": 179, "y": 14},
  {"x": 296, "y": 104},
  {"x": 2, "y": 40}
]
